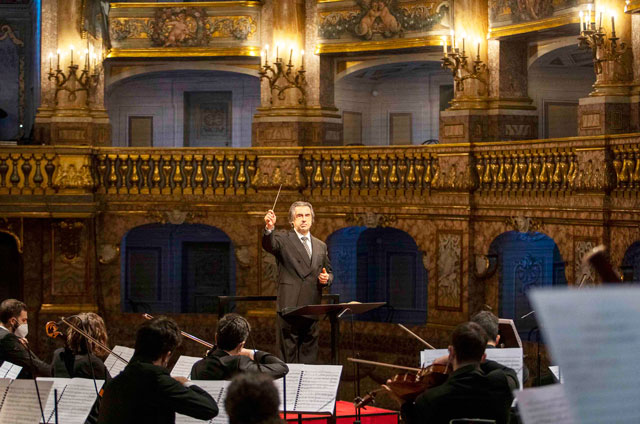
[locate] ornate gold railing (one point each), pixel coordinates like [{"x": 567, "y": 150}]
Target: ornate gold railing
[
  {"x": 174, "y": 172},
  {"x": 626, "y": 163},
  {"x": 527, "y": 170},
  {"x": 369, "y": 170},
  {"x": 27, "y": 173}
]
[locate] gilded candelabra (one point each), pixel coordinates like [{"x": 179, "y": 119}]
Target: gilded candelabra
[
  {"x": 603, "y": 48},
  {"x": 457, "y": 61},
  {"x": 72, "y": 82},
  {"x": 283, "y": 77}
]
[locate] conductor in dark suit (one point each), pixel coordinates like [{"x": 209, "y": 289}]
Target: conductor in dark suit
[{"x": 303, "y": 271}]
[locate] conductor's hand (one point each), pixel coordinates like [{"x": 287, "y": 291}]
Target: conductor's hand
[
  {"x": 323, "y": 278},
  {"x": 270, "y": 220}
]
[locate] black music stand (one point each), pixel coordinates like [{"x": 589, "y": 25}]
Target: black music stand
[
  {"x": 509, "y": 336},
  {"x": 333, "y": 311}
]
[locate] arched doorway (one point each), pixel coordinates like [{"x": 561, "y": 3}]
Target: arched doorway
[{"x": 176, "y": 268}]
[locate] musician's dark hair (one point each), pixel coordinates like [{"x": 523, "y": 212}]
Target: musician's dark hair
[
  {"x": 488, "y": 322},
  {"x": 11, "y": 308},
  {"x": 298, "y": 204},
  {"x": 469, "y": 341},
  {"x": 156, "y": 337},
  {"x": 232, "y": 329},
  {"x": 92, "y": 324},
  {"x": 252, "y": 398}
]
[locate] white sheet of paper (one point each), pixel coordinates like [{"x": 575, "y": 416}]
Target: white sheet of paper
[
  {"x": 310, "y": 388},
  {"x": 21, "y": 404},
  {"x": 9, "y": 370},
  {"x": 218, "y": 391},
  {"x": 183, "y": 366},
  {"x": 594, "y": 337},
  {"x": 544, "y": 405},
  {"x": 75, "y": 400},
  {"x": 509, "y": 357},
  {"x": 58, "y": 384},
  {"x": 555, "y": 370},
  {"x": 114, "y": 365},
  {"x": 4, "y": 386}
]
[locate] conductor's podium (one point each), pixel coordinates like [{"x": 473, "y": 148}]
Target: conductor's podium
[{"x": 345, "y": 414}]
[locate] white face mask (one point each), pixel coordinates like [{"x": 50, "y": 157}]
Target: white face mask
[{"x": 22, "y": 331}]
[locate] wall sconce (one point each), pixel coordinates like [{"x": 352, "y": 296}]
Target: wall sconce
[
  {"x": 594, "y": 37},
  {"x": 71, "y": 81},
  {"x": 283, "y": 77},
  {"x": 457, "y": 62}
]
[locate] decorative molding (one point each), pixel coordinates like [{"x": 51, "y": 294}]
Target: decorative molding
[
  {"x": 449, "y": 270},
  {"x": 7, "y": 31},
  {"x": 69, "y": 176},
  {"x": 175, "y": 216},
  {"x": 583, "y": 274},
  {"x": 58, "y": 308},
  {"x": 70, "y": 239},
  {"x": 15, "y": 229},
  {"x": 371, "y": 219},
  {"x": 523, "y": 224}
]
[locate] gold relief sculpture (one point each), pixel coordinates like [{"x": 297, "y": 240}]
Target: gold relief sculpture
[
  {"x": 70, "y": 239},
  {"x": 583, "y": 274},
  {"x": 68, "y": 176},
  {"x": 626, "y": 165},
  {"x": 371, "y": 219},
  {"x": 523, "y": 224},
  {"x": 449, "y": 270}
]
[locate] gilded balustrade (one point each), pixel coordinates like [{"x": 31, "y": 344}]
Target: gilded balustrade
[
  {"x": 27, "y": 172},
  {"x": 540, "y": 170},
  {"x": 369, "y": 170},
  {"x": 170, "y": 172},
  {"x": 626, "y": 163}
]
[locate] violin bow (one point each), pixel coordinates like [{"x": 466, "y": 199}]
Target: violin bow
[
  {"x": 187, "y": 335},
  {"x": 97, "y": 342},
  {"x": 383, "y": 364},
  {"x": 420, "y": 339}
]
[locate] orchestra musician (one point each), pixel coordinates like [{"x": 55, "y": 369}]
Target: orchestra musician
[
  {"x": 14, "y": 346},
  {"x": 145, "y": 393},
  {"x": 252, "y": 399},
  {"x": 81, "y": 357},
  {"x": 231, "y": 357},
  {"x": 471, "y": 391},
  {"x": 304, "y": 270}
]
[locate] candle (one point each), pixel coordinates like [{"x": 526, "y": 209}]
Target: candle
[
  {"x": 600, "y": 21},
  {"x": 463, "y": 44},
  {"x": 453, "y": 39},
  {"x": 589, "y": 16},
  {"x": 71, "y": 48},
  {"x": 277, "y": 51},
  {"x": 613, "y": 26},
  {"x": 86, "y": 59},
  {"x": 444, "y": 46},
  {"x": 301, "y": 59},
  {"x": 50, "y": 61},
  {"x": 290, "y": 55},
  {"x": 266, "y": 54},
  {"x": 478, "y": 48},
  {"x": 58, "y": 65},
  {"x": 581, "y": 21}
]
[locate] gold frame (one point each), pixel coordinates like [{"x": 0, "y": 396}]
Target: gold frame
[
  {"x": 221, "y": 4},
  {"x": 554, "y": 21},
  {"x": 250, "y": 51},
  {"x": 633, "y": 6}
]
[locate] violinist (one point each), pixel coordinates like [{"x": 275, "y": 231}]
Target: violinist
[
  {"x": 230, "y": 357},
  {"x": 13, "y": 340},
  {"x": 470, "y": 391},
  {"x": 81, "y": 357},
  {"x": 145, "y": 393}
]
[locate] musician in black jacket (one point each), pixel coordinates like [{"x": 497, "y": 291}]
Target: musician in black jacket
[
  {"x": 145, "y": 393},
  {"x": 13, "y": 340},
  {"x": 304, "y": 270},
  {"x": 230, "y": 357},
  {"x": 471, "y": 391},
  {"x": 81, "y": 357}
]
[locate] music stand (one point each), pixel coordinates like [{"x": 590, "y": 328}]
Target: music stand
[
  {"x": 332, "y": 310},
  {"x": 509, "y": 336}
]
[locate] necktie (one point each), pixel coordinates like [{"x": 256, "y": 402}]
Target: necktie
[{"x": 306, "y": 246}]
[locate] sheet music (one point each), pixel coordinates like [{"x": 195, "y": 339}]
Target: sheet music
[
  {"x": 183, "y": 366},
  {"x": 544, "y": 405},
  {"x": 4, "y": 386},
  {"x": 310, "y": 388},
  {"x": 58, "y": 384},
  {"x": 9, "y": 370},
  {"x": 114, "y": 365},
  {"x": 75, "y": 400},
  {"x": 555, "y": 370},
  {"x": 21, "y": 402},
  {"x": 509, "y": 357},
  {"x": 218, "y": 391},
  {"x": 594, "y": 337}
]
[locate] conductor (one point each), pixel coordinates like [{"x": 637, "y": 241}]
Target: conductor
[{"x": 303, "y": 271}]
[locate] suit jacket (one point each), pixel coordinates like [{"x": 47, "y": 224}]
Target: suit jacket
[
  {"x": 13, "y": 351},
  {"x": 297, "y": 275},
  {"x": 146, "y": 394},
  {"x": 469, "y": 392},
  {"x": 67, "y": 365},
  {"x": 219, "y": 365}
]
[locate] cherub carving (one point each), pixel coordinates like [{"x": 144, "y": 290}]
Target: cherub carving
[{"x": 377, "y": 18}]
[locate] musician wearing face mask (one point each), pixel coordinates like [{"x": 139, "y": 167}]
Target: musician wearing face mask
[
  {"x": 13, "y": 343},
  {"x": 145, "y": 393}
]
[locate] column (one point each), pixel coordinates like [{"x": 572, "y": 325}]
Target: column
[{"x": 303, "y": 114}]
